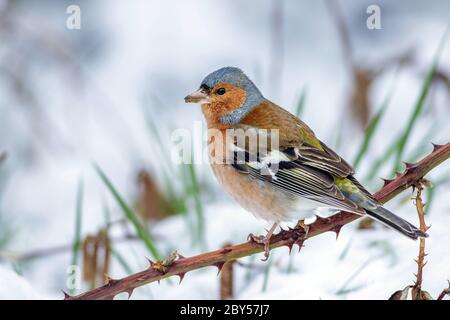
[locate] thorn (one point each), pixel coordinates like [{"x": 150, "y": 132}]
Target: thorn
[
  {"x": 66, "y": 295},
  {"x": 337, "y": 230},
  {"x": 299, "y": 243},
  {"x": 386, "y": 181},
  {"x": 219, "y": 266},
  {"x": 150, "y": 262},
  {"x": 436, "y": 147},
  {"x": 225, "y": 250},
  {"x": 180, "y": 257},
  {"x": 290, "y": 244},
  {"x": 181, "y": 275},
  {"x": 130, "y": 292},
  {"x": 397, "y": 174},
  {"x": 409, "y": 165}
]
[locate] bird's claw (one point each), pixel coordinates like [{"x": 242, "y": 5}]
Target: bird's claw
[
  {"x": 261, "y": 240},
  {"x": 304, "y": 226},
  {"x": 256, "y": 239}
]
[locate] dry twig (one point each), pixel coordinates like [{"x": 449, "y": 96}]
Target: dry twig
[
  {"x": 417, "y": 288},
  {"x": 444, "y": 292},
  {"x": 226, "y": 280}
]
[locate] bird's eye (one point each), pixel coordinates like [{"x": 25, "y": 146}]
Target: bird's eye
[{"x": 220, "y": 91}]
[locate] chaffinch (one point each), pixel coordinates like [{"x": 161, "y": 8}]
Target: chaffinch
[{"x": 295, "y": 175}]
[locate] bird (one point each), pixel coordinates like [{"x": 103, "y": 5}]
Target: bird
[{"x": 295, "y": 176}]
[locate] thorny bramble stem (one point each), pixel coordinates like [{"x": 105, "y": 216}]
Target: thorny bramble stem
[{"x": 417, "y": 288}]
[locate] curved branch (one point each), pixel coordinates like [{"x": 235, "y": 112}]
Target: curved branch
[{"x": 182, "y": 265}]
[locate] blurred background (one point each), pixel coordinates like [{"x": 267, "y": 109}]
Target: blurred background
[{"x": 88, "y": 110}]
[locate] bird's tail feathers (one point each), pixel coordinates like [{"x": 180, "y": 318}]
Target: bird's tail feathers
[{"x": 391, "y": 220}]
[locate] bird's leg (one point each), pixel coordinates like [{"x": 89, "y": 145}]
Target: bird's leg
[
  {"x": 265, "y": 240},
  {"x": 305, "y": 227}
]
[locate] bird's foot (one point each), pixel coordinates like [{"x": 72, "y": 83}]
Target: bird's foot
[
  {"x": 263, "y": 240},
  {"x": 305, "y": 227}
]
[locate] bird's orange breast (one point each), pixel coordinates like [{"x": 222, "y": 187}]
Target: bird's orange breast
[{"x": 256, "y": 196}]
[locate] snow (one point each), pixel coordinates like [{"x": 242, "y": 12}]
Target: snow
[
  {"x": 147, "y": 55},
  {"x": 13, "y": 286}
]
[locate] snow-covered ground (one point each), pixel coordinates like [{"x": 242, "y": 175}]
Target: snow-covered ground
[
  {"x": 359, "y": 265},
  {"x": 161, "y": 50}
]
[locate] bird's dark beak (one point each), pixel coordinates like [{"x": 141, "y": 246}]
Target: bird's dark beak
[{"x": 200, "y": 96}]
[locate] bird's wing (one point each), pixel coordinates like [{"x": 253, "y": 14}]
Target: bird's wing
[
  {"x": 294, "y": 177},
  {"x": 325, "y": 159},
  {"x": 329, "y": 161},
  {"x": 297, "y": 139}
]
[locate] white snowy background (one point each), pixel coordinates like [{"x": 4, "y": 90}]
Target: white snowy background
[{"x": 132, "y": 57}]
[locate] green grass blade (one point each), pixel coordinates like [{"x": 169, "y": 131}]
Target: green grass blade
[
  {"x": 301, "y": 104},
  {"x": 345, "y": 287},
  {"x": 142, "y": 232},
  {"x": 107, "y": 215},
  {"x": 345, "y": 291},
  {"x": 168, "y": 170},
  {"x": 423, "y": 146},
  {"x": 380, "y": 162},
  {"x": 176, "y": 202},
  {"x": 78, "y": 221},
  {"x": 162, "y": 149},
  {"x": 115, "y": 253},
  {"x": 373, "y": 125},
  {"x": 418, "y": 106},
  {"x": 196, "y": 196},
  {"x": 290, "y": 267},
  {"x": 346, "y": 250}
]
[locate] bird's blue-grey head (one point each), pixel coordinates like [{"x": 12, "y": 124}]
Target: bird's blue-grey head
[{"x": 238, "y": 78}]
